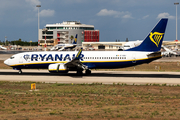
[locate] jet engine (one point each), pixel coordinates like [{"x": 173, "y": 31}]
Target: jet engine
[{"x": 57, "y": 68}]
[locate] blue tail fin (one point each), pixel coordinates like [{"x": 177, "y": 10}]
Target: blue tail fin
[
  {"x": 75, "y": 39},
  {"x": 153, "y": 41}
]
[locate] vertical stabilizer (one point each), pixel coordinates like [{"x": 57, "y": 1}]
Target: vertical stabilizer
[
  {"x": 153, "y": 41},
  {"x": 75, "y": 39}
]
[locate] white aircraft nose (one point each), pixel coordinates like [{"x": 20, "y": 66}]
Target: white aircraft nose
[{"x": 6, "y": 62}]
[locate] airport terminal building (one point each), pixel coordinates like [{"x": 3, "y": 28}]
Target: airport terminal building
[{"x": 65, "y": 33}]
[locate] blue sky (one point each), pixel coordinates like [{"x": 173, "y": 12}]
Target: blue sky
[{"x": 116, "y": 19}]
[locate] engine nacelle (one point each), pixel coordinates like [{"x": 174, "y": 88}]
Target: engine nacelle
[{"x": 57, "y": 68}]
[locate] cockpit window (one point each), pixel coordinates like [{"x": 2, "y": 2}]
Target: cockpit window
[{"x": 12, "y": 57}]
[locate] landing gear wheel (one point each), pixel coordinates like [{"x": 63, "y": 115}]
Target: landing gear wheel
[
  {"x": 88, "y": 72},
  {"x": 20, "y": 71}
]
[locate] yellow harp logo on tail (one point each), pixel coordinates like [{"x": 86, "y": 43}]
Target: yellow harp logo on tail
[
  {"x": 156, "y": 37},
  {"x": 75, "y": 39}
]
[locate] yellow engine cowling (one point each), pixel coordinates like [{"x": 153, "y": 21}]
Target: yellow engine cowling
[{"x": 57, "y": 68}]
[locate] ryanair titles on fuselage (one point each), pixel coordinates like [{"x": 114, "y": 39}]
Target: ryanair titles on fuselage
[
  {"x": 59, "y": 57},
  {"x": 52, "y": 57}
]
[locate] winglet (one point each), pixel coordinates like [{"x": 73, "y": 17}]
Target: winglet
[{"x": 78, "y": 54}]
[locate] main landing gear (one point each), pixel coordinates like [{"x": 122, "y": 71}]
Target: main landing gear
[
  {"x": 87, "y": 72},
  {"x": 79, "y": 72}
]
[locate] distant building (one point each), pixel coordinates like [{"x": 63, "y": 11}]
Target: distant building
[
  {"x": 102, "y": 45},
  {"x": 64, "y": 32},
  {"x": 91, "y": 35}
]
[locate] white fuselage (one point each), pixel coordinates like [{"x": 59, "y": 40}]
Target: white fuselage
[{"x": 92, "y": 59}]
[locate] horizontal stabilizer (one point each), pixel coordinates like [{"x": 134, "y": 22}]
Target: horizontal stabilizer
[{"x": 154, "y": 54}]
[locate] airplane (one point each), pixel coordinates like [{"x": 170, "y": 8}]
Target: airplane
[
  {"x": 168, "y": 52},
  {"x": 126, "y": 46},
  {"x": 3, "y": 48},
  {"x": 79, "y": 61},
  {"x": 129, "y": 45},
  {"x": 61, "y": 47}
]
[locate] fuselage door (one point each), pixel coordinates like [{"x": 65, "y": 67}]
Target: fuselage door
[
  {"x": 20, "y": 59},
  {"x": 134, "y": 58}
]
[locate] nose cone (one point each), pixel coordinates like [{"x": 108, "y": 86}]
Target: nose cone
[{"x": 6, "y": 62}]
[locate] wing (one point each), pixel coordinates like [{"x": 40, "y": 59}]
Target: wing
[
  {"x": 61, "y": 49},
  {"x": 76, "y": 63}
]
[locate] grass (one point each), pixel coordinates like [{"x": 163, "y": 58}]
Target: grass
[{"x": 89, "y": 101}]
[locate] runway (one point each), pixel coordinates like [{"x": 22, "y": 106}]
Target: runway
[{"x": 104, "y": 77}]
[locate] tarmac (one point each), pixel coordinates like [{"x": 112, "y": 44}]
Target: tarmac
[{"x": 104, "y": 77}]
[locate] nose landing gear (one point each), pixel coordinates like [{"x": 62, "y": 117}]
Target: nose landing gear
[{"x": 20, "y": 71}]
